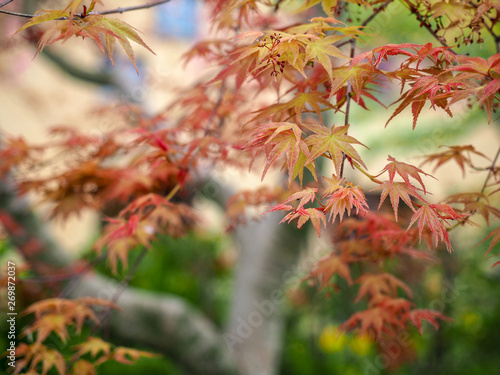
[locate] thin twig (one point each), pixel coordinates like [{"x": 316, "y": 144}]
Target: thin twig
[
  {"x": 129, "y": 9},
  {"x": 413, "y": 9},
  {"x": 123, "y": 285},
  {"x": 76, "y": 278},
  {"x": 367, "y": 21},
  {"x": 17, "y": 14},
  {"x": 5, "y": 3},
  {"x": 105, "y": 12},
  {"x": 277, "y": 6},
  {"x": 495, "y": 36},
  {"x": 348, "y": 104},
  {"x": 376, "y": 12},
  {"x": 490, "y": 171}
]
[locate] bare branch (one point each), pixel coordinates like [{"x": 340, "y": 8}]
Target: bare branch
[
  {"x": 79, "y": 16},
  {"x": 5, "y": 3},
  {"x": 367, "y": 21},
  {"x": 24, "y": 15},
  {"x": 413, "y": 9},
  {"x": 490, "y": 170},
  {"x": 129, "y": 9},
  {"x": 348, "y": 103}
]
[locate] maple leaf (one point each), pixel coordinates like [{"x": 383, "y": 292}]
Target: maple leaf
[
  {"x": 394, "y": 305},
  {"x": 47, "y": 324},
  {"x": 421, "y": 52},
  {"x": 429, "y": 216},
  {"x": 475, "y": 202},
  {"x": 333, "y": 141},
  {"x": 327, "y": 267},
  {"x": 358, "y": 75},
  {"x": 116, "y": 29},
  {"x": 126, "y": 356},
  {"x": 328, "y": 6},
  {"x": 93, "y": 346},
  {"x": 298, "y": 169},
  {"x": 279, "y": 138},
  {"x": 307, "y": 195},
  {"x": 82, "y": 367},
  {"x": 67, "y": 24},
  {"x": 55, "y": 314},
  {"x": 427, "y": 88},
  {"x": 296, "y": 106},
  {"x": 459, "y": 154},
  {"x": 478, "y": 65},
  {"x": 417, "y": 315},
  {"x": 376, "y": 285},
  {"x": 495, "y": 238},
  {"x": 345, "y": 198},
  {"x": 333, "y": 184},
  {"x": 303, "y": 214},
  {"x": 321, "y": 50},
  {"x": 36, "y": 354},
  {"x": 373, "y": 321},
  {"x": 16, "y": 151},
  {"x": 405, "y": 171},
  {"x": 481, "y": 79},
  {"x": 397, "y": 190}
]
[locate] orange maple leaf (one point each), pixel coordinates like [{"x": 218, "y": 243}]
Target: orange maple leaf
[
  {"x": 327, "y": 267},
  {"x": 417, "y": 315},
  {"x": 405, "y": 171},
  {"x": 459, "y": 154},
  {"x": 344, "y": 199},
  {"x": 335, "y": 142},
  {"x": 376, "y": 285},
  {"x": 433, "y": 216}
]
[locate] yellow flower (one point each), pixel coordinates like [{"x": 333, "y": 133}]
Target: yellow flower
[
  {"x": 361, "y": 345},
  {"x": 332, "y": 339},
  {"x": 472, "y": 321}
]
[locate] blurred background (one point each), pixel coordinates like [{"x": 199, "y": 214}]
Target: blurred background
[{"x": 65, "y": 83}]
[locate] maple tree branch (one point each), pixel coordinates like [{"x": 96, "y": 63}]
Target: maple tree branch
[
  {"x": 17, "y": 14},
  {"x": 123, "y": 285},
  {"x": 490, "y": 170},
  {"x": 348, "y": 105},
  {"x": 367, "y": 21},
  {"x": 216, "y": 107},
  {"x": 132, "y": 8},
  {"x": 81, "y": 15},
  {"x": 99, "y": 78},
  {"x": 376, "y": 12},
  {"x": 5, "y": 3},
  {"x": 489, "y": 28},
  {"x": 163, "y": 322},
  {"x": 423, "y": 22}
]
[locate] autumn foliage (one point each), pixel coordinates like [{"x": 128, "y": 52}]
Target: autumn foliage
[{"x": 280, "y": 101}]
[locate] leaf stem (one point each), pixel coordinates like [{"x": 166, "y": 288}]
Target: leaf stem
[
  {"x": 348, "y": 104},
  {"x": 173, "y": 191},
  {"x": 372, "y": 178}
]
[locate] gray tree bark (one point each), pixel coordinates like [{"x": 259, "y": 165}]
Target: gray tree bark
[{"x": 252, "y": 343}]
